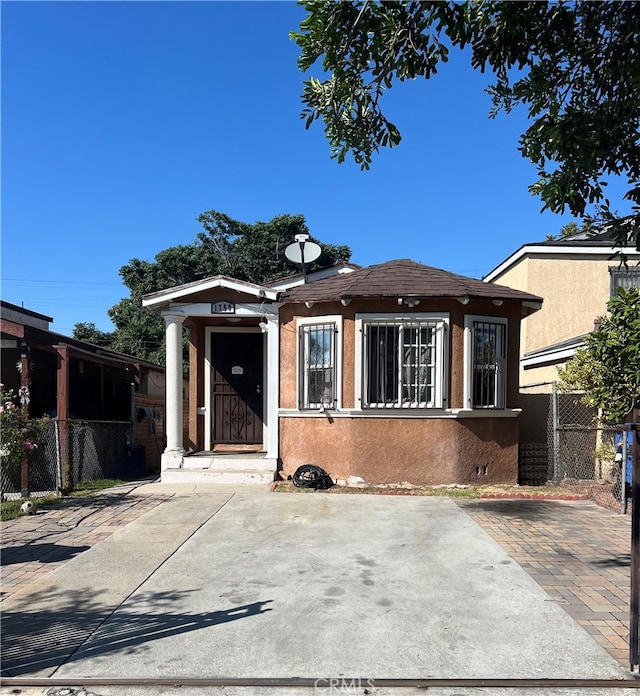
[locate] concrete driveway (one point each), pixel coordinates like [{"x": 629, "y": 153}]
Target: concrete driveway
[{"x": 228, "y": 584}]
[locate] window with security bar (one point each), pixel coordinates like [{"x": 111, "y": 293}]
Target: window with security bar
[
  {"x": 402, "y": 364},
  {"x": 318, "y": 379},
  {"x": 624, "y": 277},
  {"x": 488, "y": 355}
]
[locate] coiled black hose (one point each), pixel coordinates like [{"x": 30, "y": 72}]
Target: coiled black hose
[{"x": 311, "y": 476}]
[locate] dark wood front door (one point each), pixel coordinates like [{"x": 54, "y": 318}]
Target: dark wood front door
[{"x": 236, "y": 360}]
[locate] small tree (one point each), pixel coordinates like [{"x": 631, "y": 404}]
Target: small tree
[{"x": 607, "y": 369}]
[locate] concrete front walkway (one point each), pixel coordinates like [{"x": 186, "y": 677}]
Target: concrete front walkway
[{"x": 311, "y": 585}]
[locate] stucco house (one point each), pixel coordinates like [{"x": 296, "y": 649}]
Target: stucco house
[
  {"x": 576, "y": 276},
  {"x": 394, "y": 372}
]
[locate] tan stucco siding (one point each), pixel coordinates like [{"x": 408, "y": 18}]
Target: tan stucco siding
[
  {"x": 574, "y": 290},
  {"x": 392, "y": 450},
  {"x": 539, "y": 379}
]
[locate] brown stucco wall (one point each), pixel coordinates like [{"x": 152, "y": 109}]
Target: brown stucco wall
[
  {"x": 427, "y": 451},
  {"x": 391, "y": 450},
  {"x": 288, "y": 343}
]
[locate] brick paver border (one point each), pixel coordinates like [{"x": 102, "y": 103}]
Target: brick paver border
[
  {"x": 578, "y": 552},
  {"x": 37, "y": 544}
]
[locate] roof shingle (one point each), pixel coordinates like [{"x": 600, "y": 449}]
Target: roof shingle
[{"x": 401, "y": 278}]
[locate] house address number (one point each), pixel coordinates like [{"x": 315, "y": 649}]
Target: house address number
[{"x": 223, "y": 308}]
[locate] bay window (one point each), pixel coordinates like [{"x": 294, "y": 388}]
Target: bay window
[{"x": 403, "y": 362}]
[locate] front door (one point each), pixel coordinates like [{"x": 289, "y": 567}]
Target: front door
[{"x": 236, "y": 361}]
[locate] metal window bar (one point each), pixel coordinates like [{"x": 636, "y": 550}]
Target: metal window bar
[
  {"x": 489, "y": 354},
  {"x": 400, "y": 364},
  {"x": 622, "y": 277},
  {"x": 319, "y": 360}
]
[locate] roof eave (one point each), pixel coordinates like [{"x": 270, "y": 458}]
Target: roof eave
[{"x": 163, "y": 298}]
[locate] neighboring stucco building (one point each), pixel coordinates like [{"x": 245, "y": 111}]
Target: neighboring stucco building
[
  {"x": 576, "y": 276},
  {"x": 396, "y": 372}
]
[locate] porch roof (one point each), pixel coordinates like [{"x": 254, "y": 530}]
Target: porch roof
[{"x": 182, "y": 293}]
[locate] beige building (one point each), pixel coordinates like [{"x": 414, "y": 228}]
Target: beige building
[{"x": 575, "y": 276}]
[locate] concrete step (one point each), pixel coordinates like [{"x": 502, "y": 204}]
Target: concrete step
[
  {"x": 227, "y": 461},
  {"x": 218, "y": 475}
]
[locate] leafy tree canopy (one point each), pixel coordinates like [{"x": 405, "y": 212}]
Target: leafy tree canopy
[
  {"x": 88, "y": 332},
  {"x": 607, "y": 370},
  {"x": 575, "y": 67},
  {"x": 567, "y": 230},
  {"x": 251, "y": 252}
]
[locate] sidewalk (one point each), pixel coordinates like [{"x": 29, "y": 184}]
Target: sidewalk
[
  {"x": 577, "y": 551},
  {"x": 33, "y": 546}
]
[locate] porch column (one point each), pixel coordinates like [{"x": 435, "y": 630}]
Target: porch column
[
  {"x": 273, "y": 385},
  {"x": 172, "y": 456}
]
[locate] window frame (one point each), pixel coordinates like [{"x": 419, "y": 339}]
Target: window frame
[
  {"x": 618, "y": 273},
  {"x": 440, "y": 321},
  {"x": 302, "y": 325},
  {"x": 469, "y": 363}
]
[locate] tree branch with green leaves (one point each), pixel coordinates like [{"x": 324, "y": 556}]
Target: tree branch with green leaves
[
  {"x": 607, "y": 369},
  {"x": 575, "y": 67}
]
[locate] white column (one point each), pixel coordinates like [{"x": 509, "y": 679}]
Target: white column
[
  {"x": 172, "y": 457},
  {"x": 273, "y": 385}
]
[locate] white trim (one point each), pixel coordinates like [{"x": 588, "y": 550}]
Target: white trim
[
  {"x": 441, "y": 396},
  {"x": 338, "y": 320},
  {"x": 158, "y": 299},
  {"x": 551, "y": 356},
  {"x": 320, "y": 274},
  {"x": 407, "y": 413},
  {"x": 203, "y": 309},
  {"x": 272, "y": 387},
  {"x": 469, "y": 319},
  {"x": 605, "y": 252},
  {"x": 173, "y": 388}
]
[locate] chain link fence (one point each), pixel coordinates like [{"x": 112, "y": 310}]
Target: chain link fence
[
  {"x": 563, "y": 444},
  {"x": 70, "y": 452}
]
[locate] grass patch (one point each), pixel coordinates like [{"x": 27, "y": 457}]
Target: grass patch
[
  {"x": 443, "y": 491},
  {"x": 93, "y": 485},
  {"x": 10, "y": 509}
]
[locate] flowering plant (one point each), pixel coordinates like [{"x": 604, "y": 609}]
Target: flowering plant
[{"x": 18, "y": 435}]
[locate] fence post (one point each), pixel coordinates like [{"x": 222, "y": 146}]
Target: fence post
[
  {"x": 555, "y": 438},
  {"x": 24, "y": 406},
  {"x": 634, "y": 637},
  {"x": 56, "y": 430}
]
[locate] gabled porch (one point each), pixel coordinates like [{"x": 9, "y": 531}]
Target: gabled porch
[{"x": 232, "y": 419}]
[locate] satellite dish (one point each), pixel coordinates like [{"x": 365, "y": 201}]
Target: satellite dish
[{"x": 302, "y": 251}]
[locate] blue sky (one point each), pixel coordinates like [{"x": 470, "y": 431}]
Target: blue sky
[{"x": 123, "y": 121}]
